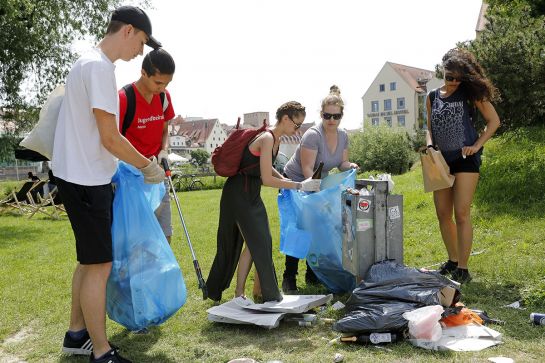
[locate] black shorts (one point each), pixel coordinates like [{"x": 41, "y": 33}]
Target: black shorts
[
  {"x": 89, "y": 209},
  {"x": 471, "y": 164}
]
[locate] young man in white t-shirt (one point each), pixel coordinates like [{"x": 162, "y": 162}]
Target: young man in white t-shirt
[{"x": 87, "y": 143}]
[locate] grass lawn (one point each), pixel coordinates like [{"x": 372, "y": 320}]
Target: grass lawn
[{"x": 37, "y": 258}]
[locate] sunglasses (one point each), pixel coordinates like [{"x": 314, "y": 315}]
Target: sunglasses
[
  {"x": 297, "y": 126},
  {"x": 450, "y": 78},
  {"x": 327, "y": 116}
]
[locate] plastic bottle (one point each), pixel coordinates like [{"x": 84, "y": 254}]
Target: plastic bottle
[
  {"x": 372, "y": 338},
  {"x": 318, "y": 172},
  {"x": 537, "y": 318}
]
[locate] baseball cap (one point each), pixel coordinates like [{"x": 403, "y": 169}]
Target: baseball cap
[{"x": 137, "y": 18}]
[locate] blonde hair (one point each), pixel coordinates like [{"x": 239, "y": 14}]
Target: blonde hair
[{"x": 334, "y": 98}]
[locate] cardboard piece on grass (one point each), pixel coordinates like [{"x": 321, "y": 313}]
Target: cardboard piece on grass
[
  {"x": 233, "y": 313},
  {"x": 463, "y": 338},
  {"x": 292, "y": 304}
]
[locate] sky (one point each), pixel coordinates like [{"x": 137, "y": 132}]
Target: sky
[{"x": 240, "y": 56}]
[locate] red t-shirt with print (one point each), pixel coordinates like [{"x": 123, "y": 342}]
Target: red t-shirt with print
[{"x": 146, "y": 130}]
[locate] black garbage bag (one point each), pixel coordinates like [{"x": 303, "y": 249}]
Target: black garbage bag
[{"x": 387, "y": 291}]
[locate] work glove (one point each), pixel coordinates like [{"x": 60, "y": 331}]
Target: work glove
[
  {"x": 311, "y": 185},
  {"x": 153, "y": 173},
  {"x": 162, "y": 155}
]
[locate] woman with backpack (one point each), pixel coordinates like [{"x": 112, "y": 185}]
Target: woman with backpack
[
  {"x": 324, "y": 143},
  {"x": 451, "y": 111},
  {"x": 243, "y": 217}
]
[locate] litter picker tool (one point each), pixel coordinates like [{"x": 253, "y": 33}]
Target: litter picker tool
[{"x": 202, "y": 284}]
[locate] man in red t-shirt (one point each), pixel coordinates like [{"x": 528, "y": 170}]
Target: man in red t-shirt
[{"x": 148, "y": 131}]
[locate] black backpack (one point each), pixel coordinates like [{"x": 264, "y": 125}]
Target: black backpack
[{"x": 131, "y": 106}]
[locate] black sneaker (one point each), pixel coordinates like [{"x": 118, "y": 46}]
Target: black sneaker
[
  {"x": 289, "y": 286},
  {"x": 448, "y": 267},
  {"x": 461, "y": 275},
  {"x": 82, "y": 346},
  {"x": 112, "y": 356}
]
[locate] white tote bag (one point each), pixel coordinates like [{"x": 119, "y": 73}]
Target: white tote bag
[{"x": 40, "y": 139}]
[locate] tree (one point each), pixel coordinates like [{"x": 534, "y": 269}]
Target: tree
[
  {"x": 35, "y": 49},
  {"x": 199, "y": 157},
  {"x": 382, "y": 148},
  {"x": 512, "y": 51}
]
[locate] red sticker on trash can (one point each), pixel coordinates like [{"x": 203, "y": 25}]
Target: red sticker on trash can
[{"x": 364, "y": 205}]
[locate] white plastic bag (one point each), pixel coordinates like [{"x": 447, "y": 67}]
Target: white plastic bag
[
  {"x": 40, "y": 139},
  {"x": 424, "y": 323}
]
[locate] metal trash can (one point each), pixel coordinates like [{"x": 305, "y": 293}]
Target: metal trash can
[{"x": 372, "y": 226}]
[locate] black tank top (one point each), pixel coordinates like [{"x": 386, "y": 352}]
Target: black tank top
[{"x": 451, "y": 124}]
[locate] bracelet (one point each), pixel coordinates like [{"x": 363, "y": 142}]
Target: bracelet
[{"x": 298, "y": 186}]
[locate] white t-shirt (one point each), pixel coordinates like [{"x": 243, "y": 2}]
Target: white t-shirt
[{"x": 78, "y": 154}]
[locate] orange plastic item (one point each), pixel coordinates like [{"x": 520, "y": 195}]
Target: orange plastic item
[{"x": 464, "y": 317}]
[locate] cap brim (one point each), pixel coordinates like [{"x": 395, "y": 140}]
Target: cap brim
[{"x": 154, "y": 43}]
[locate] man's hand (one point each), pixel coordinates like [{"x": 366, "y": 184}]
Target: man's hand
[
  {"x": 162, "y": 155},
  {"x": 153, "y": 173}
]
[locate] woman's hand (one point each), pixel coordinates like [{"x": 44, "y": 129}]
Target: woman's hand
[
  {"x": 470, "y": 150},
  {"x": 354, "y": 166}
]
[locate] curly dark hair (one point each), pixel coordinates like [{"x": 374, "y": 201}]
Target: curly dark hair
[
  {"x": 473, "y": 79},
  {"x": 292, "y": 109}
]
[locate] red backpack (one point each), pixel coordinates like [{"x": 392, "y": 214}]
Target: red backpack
[{"x": 226, "y": 158}]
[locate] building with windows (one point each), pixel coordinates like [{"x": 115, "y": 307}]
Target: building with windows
[
  {"x": 397, "y": 96},
  {"x": 186, "y": 136},
  {"x": 255, "y": 119}
]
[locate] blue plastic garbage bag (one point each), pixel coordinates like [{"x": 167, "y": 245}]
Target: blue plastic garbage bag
[
  {"x": 146, "y": 285},
  {"x": 311, "y": 227}
]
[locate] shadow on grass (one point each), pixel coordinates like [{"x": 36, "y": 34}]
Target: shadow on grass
[
  {"x": 17, "y": 234},
  {"x": 498, "y": 208}
]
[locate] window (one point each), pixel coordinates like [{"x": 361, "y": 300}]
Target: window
[
  {"x": 401, "y": 103},
  {"x": 381, "y": 87},
  {"x": 374, "y": 106},
  {"x": 211, "y": 145},
  {"x": 388, "y": 121},
  {"x": 392, "y": 86},
  {"x": 387, "y": 105},
  {"x": 401, "y": 121},
  {"x": 374, "y": 121}
]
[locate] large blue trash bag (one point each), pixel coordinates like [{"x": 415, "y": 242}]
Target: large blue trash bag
[
  {"x": 311, "y": 227},
  {"x": 146, "y": 285}
]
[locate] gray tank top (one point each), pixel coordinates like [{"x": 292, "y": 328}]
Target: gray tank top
[{"x": 314, "y": 139}]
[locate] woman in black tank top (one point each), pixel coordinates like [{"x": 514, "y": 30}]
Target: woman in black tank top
[
  {"x": 451, "y": 112},
  {"x": 243, "y": 218}
]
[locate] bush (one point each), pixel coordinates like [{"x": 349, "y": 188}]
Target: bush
[
  {"x": 512, "y": 170},
  {"x": 382, "y": 149}
]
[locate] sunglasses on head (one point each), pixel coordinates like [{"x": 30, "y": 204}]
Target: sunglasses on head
[{"x": 336, "y": 116}]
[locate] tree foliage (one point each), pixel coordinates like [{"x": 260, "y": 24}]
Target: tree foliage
[
  {"x": 382, "y": 149},
  {"x": 35, "y": 49},
  {"x": 512, "y": 51},
  {"x": 199, "y": 157}
]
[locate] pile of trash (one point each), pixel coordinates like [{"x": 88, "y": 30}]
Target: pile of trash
[
  {"x": 242, "y": 310},
  {"x": 395, "y": 302}
]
